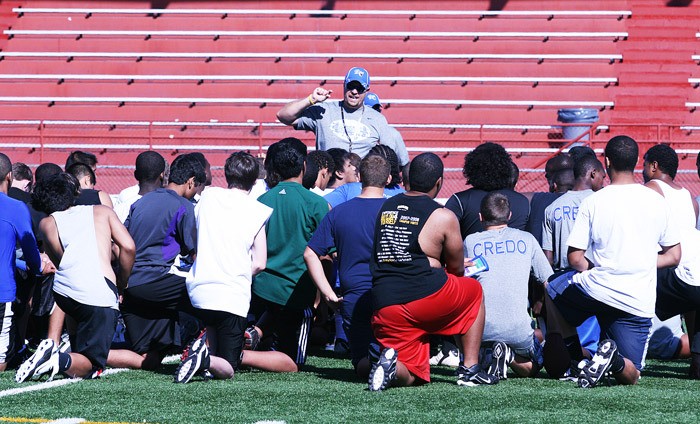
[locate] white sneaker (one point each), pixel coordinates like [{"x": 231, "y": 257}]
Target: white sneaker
[
  {"x": 449, "y": 360},
  {"x": 43, "y": 361}
]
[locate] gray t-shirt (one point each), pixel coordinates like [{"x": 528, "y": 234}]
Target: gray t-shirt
[
  {"x": 559, "y": 218},
  {"x": 354, "y": 130},
  {"x": 511, "y": 254}
]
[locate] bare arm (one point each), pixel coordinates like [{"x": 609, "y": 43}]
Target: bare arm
[
  {"x": 669, "y": 256},
  {"x": 549, "y": 255},
  {"x": 313, "y": 262},
  {"x": 578, "y": 260},
  {"x": 259, "y": 252},
  {"x": 105, "y": 199},
  {"x": 127, "y": 250},
  {"x": 453, "y": 250},
  {"x": 52, "y": 244},
  {"x": 293, "y": 110}
]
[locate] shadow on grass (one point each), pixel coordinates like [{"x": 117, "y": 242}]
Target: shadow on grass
[
  {"x": 330, "y": 373},
  {"x": 667, "y": 369}
]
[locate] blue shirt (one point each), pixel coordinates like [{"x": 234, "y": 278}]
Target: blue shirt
[
  {"x": 163, "y": 225},
  {"x": 351, "y": 190},
  {"x": 15, "y": 225},
  {"x": 350, "y": 229}
]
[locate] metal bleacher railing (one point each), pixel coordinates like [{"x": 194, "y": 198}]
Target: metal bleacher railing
[
  {"x": 323, "y": 79},
  {"x": 405, "y": 35},
  {"x": 328, "y": 57},
  {"x": 193, "y": 101},
  {"x": 293, "y": 13}
]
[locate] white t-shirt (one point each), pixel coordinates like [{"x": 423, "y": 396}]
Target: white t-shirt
[
  {"x": 227, "y": 223},
  {"x": 127, "y": 193},
  {"x": 258, "y": 189},
  {"x": 680, "y": 203},
  {"x": 123, "y": 208},
  {"x": 624, "y": 226}
]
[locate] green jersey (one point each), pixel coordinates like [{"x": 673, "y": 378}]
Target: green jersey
[{"x": 296, "y": 214}]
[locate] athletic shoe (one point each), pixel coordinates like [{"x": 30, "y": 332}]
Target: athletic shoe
[
  {"x": 194, "y": 346},
  {"x": 43, "y": 361},
  {"x": 252, "y": 338},
  {"x": 599, "y": 366},
  {"x": 197, "y": 361},
  {"x": 383, "y": 371},
  {"x": 449, "y": 360},
  {"x": 501, "y": 357},
  {"x": 574, "y": 371},
  {"x": 474, "y": 376}
]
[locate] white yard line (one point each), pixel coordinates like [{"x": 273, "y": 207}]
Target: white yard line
[{"x": 52, "y": 384}]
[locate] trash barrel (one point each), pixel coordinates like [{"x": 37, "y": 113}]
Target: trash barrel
[{"x": 577, "y": 116}]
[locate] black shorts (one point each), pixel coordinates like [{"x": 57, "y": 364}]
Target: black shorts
[
  {"x": 229, "y": 330},
  {"x": 42, "y": 302},
  {"x": 673, "y": 295},
  {"x": 150, "y": 313},
  {"x": 289, "y": 327},
  {"x": 95, "y": 329}
]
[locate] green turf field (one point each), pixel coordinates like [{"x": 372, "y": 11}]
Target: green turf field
[{"x": 328, "y": 392}]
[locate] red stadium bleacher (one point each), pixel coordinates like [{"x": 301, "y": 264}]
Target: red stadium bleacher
[{"x": 464, "y": 67}]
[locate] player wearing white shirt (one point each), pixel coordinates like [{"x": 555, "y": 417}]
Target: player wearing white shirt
[
  {"x": 678, "y": 288},
  {"x": 232, "y": 247},
  {"x": 622, "y": 226}
]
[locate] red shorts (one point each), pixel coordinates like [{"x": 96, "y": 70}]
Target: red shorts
[{"x": 407, "y": 328}]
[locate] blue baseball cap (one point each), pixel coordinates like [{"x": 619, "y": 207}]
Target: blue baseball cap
[
  {"x": 358, "y": 74},
  {"x": 372, "y": 100}
]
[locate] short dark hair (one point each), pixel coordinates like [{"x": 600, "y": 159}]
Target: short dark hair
[
  {"x": 622, "y": 152},
  {"x": 555, "y": 164},
  {"x": 665, "y": 157},
  {"x": 5, "y": 165},
  {"x": 339, "y": 157},
  {"x": 374, "y": 171},
  {"x": 287, "y": 160},
  {"x": 487, "y": 167},
  {"x": 205, "y": 164},
  {"x": 426, "y": 169},
  {"x": 315, "y": 162},
  {"x": 564, "y": 180},
  {"x": 586, "y": 164},
  {"x": 241, "y": 171},
  {"x": 185, "y": 167},
  {"x": 55, "y": 193},
  {"x": 579, "y": 152},
  {"x": 149, "y": 166},
  {"x": 514, "y": 176},
  {"x": 80, "y": 170},
  {"x": 78, "y": 156},
  {"x": 495, "y": 209},
  {"x": 46, "y": 170},
  {"x": 271, "y": 177},
  {"x": 21, "y": 171},
  {"x": 390, "y": 155}
]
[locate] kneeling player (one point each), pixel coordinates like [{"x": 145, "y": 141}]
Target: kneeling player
[
  {"x": 220, "y": 279},
  {"x": 79, "y": 239},
  {"x": 511, "y": 255}
]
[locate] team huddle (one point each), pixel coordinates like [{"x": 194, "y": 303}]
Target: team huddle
[{"x": 584, "y": 281}]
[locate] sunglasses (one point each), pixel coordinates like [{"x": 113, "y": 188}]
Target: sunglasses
[{"x": 354, "y": 85}]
